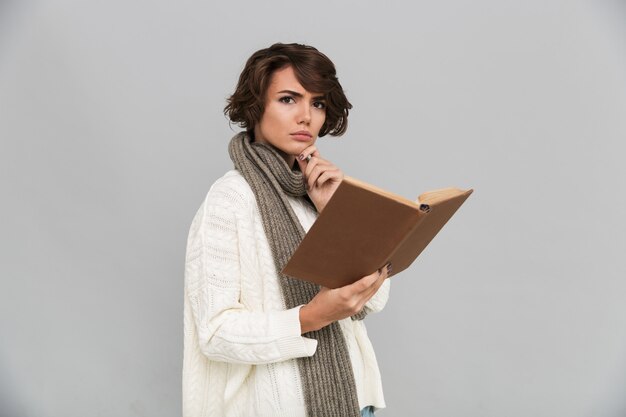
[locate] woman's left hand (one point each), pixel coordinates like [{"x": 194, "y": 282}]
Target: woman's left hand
[{"x": 321, "y": 177}]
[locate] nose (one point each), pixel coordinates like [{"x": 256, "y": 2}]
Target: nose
[{"x": 305, "y": 115}]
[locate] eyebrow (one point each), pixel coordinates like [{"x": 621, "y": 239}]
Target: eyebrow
[{"x": 295, "y": 93}]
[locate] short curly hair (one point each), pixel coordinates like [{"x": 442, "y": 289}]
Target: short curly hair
[{"x": 314, "y": 70}]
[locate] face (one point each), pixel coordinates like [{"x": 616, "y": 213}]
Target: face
[{"x": 289, "y": 109}]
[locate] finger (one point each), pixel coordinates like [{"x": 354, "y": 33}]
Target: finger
[
  {"x": 314, "y": 172},
  {"x": 320, "y": 175},
  {"x": 306, "y": 165},
  {"x": 313, "y": 162},
  {"x": 309, "y": 150},
  {"x": 383, "y": 273},
  {"x": 369, "y": 293},
  {"x": 314, "y": 169},
  {"x": 301, "y": 164},
  {"x": 302, "y": 157},
  {"x": 328, "y": 175},
  {"x": 364, "y": 284},
  {"x": 373, "y": 289}
]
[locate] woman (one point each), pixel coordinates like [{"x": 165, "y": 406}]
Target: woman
[{"x": 259, "y": 343}]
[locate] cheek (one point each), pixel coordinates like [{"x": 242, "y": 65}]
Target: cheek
[
  {"x": 266, "y": 121},
  {"x": 276, "y": 117},
  {"x": 321, "y": 120}
]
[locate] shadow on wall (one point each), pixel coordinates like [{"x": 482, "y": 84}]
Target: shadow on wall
[{"x": 10, "y": 402}]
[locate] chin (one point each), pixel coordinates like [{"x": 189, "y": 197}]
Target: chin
[{"x": 296, "y": 146}]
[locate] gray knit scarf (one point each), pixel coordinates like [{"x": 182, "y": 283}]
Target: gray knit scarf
[{"x": 327, "y": 376}]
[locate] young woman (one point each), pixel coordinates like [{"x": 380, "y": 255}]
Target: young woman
[{"x": 256, "y": 342}]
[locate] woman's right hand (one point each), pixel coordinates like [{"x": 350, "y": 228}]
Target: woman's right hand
[{"x": 330, "y": 305}]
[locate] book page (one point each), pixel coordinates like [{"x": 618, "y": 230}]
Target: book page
[{"x": 434, "y": 196}]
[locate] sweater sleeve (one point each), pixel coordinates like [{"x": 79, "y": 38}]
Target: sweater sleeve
[{"x": 228, "y": 331}]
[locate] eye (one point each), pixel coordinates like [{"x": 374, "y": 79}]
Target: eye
[
  {"x": 321, "y": 106},
  {"x": 283, "y": 99}
]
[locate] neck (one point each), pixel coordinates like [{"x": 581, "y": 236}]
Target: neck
[{"x": 290, "y": 159}]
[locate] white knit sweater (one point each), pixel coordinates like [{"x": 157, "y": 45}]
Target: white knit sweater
[{"x": 240, "y": 343}]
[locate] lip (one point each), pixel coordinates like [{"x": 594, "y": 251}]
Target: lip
[{"x": 301, "y": 135}]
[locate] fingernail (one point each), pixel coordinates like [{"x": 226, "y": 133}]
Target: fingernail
[{"x": 301, "y": 157}]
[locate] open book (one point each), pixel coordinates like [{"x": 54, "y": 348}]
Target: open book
[{"x": 363, "y": 227}]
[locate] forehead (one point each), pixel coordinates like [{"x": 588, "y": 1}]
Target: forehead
[{"x": 285, "y": 79}]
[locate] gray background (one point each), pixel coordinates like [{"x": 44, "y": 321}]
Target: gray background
[{"x": 112, "y": 132}]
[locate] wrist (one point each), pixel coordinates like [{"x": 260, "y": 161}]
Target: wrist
[{"x": 308, "y": 321}]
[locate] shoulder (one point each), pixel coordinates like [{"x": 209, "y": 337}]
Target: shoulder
[
  {"x": 227, "y": 202},
  {"x": 230, "y": 191}
]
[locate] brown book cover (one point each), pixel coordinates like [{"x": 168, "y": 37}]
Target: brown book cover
[{"x": 363, "y": 227}]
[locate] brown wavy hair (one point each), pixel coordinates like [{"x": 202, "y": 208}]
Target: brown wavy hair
[{"x": 314, "y": 70}]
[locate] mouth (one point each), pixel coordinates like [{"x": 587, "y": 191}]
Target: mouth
[{"x": 301, "y": 136}]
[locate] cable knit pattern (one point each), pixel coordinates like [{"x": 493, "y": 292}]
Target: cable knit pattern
[{"x": 240, "y": 343}]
